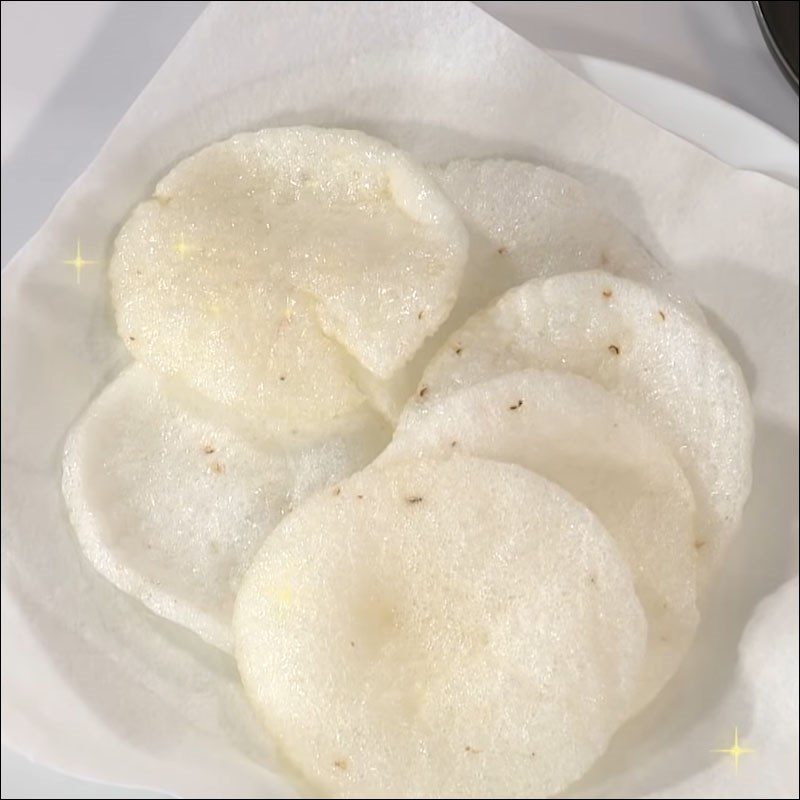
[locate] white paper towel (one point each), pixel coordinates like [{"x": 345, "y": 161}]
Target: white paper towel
[{"x": 94, "y": 684}]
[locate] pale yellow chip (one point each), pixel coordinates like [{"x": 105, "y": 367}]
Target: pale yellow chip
[
  {"x": 457, "y": 628},
  {"x": 262, "y": 261},
  {"x": 169, "y": 501}
]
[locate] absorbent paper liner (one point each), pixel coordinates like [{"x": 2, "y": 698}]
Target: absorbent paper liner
[{"x": 94, "y": 684}]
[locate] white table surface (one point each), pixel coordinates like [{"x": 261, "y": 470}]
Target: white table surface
[{"x": 71, "y": 69}]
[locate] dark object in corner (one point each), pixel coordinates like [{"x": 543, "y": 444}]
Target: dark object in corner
[{"x": 779, "y": 24}]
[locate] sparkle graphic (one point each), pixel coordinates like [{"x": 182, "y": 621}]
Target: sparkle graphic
[
  {"x": 213, "y": 306},
  {"x": 182, "y": 248},
  {"x": 286, "y": 317},
  {"x": 78, "y": 262},
  {"x": 735, "y": 750},
  {"x": 285, "y": 595}
]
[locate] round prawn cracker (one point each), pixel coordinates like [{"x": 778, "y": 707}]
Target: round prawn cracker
[
  {"x": 525, "y": 221},
  {"x": 529, "y": 221},
  {"x": 625, "y": 336},
  {"x": 580, "y": 436},
  {"x": 262, "y": 260},
  {"x": 440, "y": 628},
  {"x": 170, "y": 504}
]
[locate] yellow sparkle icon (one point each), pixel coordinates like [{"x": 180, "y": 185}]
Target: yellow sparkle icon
[
  {"x": 285, "y": 595},
  {"x": 735, "y": 750},
  {"x": 213, "y": 306},
  {"x": 286, "y": 317},
  {"x": 78, "y": 262},
  {"x": 182, "y": 248}
]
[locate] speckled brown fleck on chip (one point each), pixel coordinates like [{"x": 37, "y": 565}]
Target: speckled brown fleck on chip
[
  {"x": 217, "y": 468},
  {"x": 516, "y": 405},
  {"x": 420, "y": 315},
  {"x": 454, "y": 443},
  {"x": 208, "y": 449},
  {"x": 340, "y": 763},
  {"x": 502, "y": 250},
  {"x": 612, "y": 348},
  {"x": 458, "y": 350},
  {"x": 281, "y": 377},
  {"x": 423, "y": 391},
  {"x": 413, "y": 499},
  {"x": 698, "y": 545},
  {"x": 337, "y": 490},
  {"x": 607, "y": 293},
  {"x": 662, "y": 315}
]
